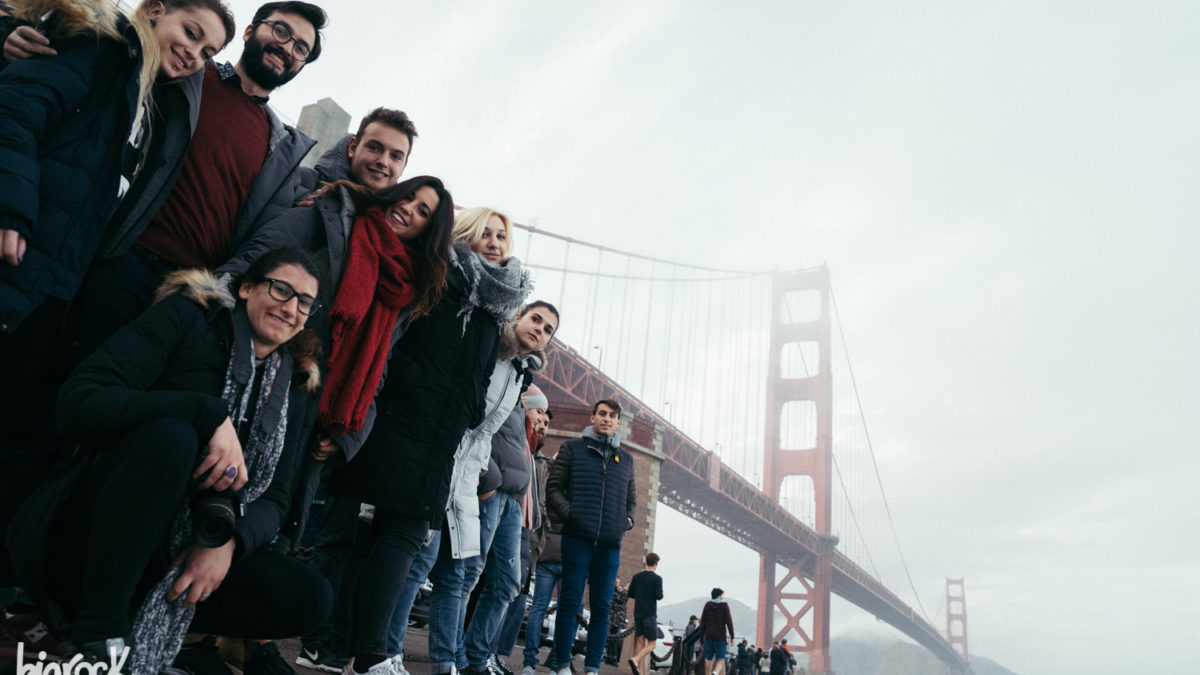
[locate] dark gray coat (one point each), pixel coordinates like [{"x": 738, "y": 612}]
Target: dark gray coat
[{"x": 274, "y": 190}]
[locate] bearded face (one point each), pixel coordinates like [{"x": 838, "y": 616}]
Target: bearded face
[{"x": 268, "y": 63}]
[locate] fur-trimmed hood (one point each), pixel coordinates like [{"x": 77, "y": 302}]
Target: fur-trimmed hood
[
  {"x": 205, "y": 289},
  {"x": 200, "y": 286},
  {"x": 69, "y": 17}
]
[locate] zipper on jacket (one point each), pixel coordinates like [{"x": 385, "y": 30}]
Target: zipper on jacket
[
  {"x": 603, "y": 485},
  {"x": 499, "y": 400}
]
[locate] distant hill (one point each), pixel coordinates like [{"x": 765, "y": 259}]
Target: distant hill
[
  {"x": 852, "y": 654},
  {"x": 745, "y": 619}
]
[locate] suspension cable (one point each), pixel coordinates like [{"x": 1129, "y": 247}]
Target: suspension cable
[
  {"x": 631, "y": 254},
  {"x": 871, "y": 449}
]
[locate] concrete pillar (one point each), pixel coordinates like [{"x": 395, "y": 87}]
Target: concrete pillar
[{"x": 325, "y": 122}]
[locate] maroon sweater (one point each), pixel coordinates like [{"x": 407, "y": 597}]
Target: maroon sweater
[
  {"x": 715, "y": 619},
  {"x": 194, "y": 227}
]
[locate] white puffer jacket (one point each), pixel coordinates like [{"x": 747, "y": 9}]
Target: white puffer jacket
[{"x": 474, "y": 450}]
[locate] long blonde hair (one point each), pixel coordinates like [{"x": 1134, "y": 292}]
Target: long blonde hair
[{"x": 69, "y": 18}]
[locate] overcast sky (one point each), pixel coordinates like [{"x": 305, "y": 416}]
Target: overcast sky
[{"x": 1006, "y": 196}]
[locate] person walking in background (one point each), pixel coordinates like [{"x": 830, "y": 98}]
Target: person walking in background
[
  {"x": 646, "y": 590},
  {"x": 779, "y": 659},
  {"x": 692, "y": 624},
  {"x": 791, "y": 660},
  {"x": 744, "y": 658},
  {"x": 591, "y": 489},
  {"x": 714, "y": 621}
]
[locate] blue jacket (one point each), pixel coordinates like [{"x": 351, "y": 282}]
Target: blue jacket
[
  {"x": 591, "y": 489},
  {"x": 64, "y": 126}
]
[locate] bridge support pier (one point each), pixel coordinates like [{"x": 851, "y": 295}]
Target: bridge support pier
[{"x": 815, "y": 462}]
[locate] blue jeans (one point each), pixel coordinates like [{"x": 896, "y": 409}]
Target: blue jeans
[
  {"x": 543, "y": 587},
  {"x": 583, "y": 563},
  {"x": 417, "y": 574},
  {"x": 501, "y": 580},
  {"x": 514, "y": 616},
  {"x": 452, "y": 583}
]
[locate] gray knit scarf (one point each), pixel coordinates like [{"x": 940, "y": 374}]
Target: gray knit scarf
[
  {"x": 499, "y": 290},
  {"x": 160, "y": 626}
]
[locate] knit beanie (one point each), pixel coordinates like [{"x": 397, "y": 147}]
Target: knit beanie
[{"x": 534, "y": 398}]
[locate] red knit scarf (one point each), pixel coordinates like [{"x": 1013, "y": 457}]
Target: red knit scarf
[{"x": 377, "y": 284}]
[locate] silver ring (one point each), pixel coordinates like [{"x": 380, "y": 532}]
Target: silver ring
[
  {"x": 204, "y": 596},
  {"x": 231, "y": 472}
]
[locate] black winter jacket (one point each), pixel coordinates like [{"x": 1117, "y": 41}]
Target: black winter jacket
[
  {"x": 171, "y": 362},
  {"x": 437, "y": 378},
  {"x": 591, "y": 489},
  {"x": 64, "y": 126}
]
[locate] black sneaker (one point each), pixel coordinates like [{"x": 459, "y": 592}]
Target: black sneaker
[
  {"x": 498, "y": 667},
  {"x": 471, "y": 670},
  {"x": 319, "y": 657},
  {"x": 201, "y": 658},
  {"x": 267, "y": 661}
]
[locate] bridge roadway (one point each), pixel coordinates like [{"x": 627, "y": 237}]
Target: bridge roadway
[{"x": 727, "y": 503}]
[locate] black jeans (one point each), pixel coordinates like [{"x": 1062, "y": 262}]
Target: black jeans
[
  {"x": 395, "y": 540},
  {"x": 332, "y": 560},
  {"x": 266, "y": 595},
  {"x": 108, "y": 549},
  {"x": 111, "y": 528}
]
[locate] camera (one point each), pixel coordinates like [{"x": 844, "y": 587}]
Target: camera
[{"x": 213, "y": 513}]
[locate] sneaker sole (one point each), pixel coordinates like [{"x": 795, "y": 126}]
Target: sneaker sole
[{"x": 301, "y": 661}]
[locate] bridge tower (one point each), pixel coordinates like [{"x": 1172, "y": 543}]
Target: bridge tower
[
  {"x": 956, "y": 617},
  {"x": 814, "y": 393}
]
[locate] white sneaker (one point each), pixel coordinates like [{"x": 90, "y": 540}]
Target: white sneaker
[
  {"x": 565, "y": 670},
  {"x": 528, "y": 670},
  {"x": 384, "y": 667},
  {"x": 398, "y": 664}
]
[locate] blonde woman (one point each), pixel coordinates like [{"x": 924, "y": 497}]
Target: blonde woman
[
  {"x": 72, "y": 130},
  {"x": 487, "y": 232}
]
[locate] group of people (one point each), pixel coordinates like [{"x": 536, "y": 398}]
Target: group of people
[{"x": 197, "y": 335}]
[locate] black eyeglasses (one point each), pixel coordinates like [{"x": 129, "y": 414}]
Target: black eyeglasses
[
  {"x": 283, "y": 35},
  {"x": 283, "y": 291}
]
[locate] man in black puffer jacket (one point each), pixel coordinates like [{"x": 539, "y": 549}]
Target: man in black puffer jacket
[{"x": 591, "y": 490}]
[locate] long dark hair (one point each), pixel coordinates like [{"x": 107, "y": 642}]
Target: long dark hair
[{"x": 434, "y": 242}]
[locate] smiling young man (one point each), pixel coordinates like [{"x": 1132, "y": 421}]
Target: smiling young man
[
  {"x": 591, "y": 489},
  {"x": 375, "y": 156}
]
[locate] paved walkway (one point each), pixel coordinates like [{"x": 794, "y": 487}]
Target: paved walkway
[{"x": 416, "y": 656}]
